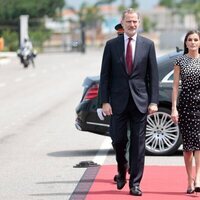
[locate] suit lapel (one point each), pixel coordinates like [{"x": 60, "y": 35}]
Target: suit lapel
[
  {"x": 138, "y": 50},
  {"x": 121, "y": 53}
]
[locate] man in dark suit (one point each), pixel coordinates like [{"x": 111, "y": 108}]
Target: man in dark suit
[{"x": 129, "y": 91}]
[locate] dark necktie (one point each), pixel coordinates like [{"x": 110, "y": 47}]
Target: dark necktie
[{"x": 129, "y": 59}]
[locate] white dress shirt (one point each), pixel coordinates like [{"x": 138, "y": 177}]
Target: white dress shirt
[{"x": 133, "y": 44}]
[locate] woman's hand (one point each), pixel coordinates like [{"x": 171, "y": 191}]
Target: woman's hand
[{"x": 174, "y": 115}]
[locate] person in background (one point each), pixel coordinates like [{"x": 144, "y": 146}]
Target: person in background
[
  {"x": 119, "y": 29},
  {"x": 27, "y": 45},
  {"x": 187, "y": 116},
  {"x": 129, "y": 91}
]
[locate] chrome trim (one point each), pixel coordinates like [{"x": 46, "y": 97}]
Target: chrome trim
[
  {"x": 78, "y": 127},
  {"x": 98, "y": 124},
  {"x": 165, "y": 79}
]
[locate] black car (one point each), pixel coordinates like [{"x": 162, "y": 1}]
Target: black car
[{"x": 162, "y": 135}]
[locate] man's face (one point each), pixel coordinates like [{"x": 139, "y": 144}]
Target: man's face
[{"x": 130, "y": 23}]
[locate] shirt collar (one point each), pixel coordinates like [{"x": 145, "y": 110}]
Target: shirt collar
[{"x": 126, "y": 37}]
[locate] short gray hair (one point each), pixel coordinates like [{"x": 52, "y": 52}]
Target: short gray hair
[{"x": 130, "y": 11}]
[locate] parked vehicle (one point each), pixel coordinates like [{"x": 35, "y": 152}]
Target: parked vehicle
[{"x": 162, "y": 135}]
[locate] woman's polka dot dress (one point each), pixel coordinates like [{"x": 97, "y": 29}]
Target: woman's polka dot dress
[{"x": 189, "y": 102}]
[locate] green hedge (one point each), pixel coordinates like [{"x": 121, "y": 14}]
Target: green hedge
[{"x": 37, "y": 35}]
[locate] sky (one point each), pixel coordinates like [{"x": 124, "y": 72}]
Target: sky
[{"x": 143, "y": 4}]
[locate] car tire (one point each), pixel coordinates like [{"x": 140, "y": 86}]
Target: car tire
[{"x": 162, "y": 135}]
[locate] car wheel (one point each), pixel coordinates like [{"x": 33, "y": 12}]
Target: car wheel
[{"x": 162, "y": 135}]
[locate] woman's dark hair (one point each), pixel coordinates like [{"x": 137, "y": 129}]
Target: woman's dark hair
[{"x": 186, "y": 37}]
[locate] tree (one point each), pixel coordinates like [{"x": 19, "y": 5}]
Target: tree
[
  {"x": 10, "y": 11},
  {"x": 90, "y": 15},
  {"x": 90, "y": 18},
  {"x": 183, "y": 7},
  {"x": 134, "y": 4},
  {"x": 167, "y": 3},
  {"x": 147, "y": 24},
  {"x": 104, "y": 2},
  {"x": 190, "y": 7}
]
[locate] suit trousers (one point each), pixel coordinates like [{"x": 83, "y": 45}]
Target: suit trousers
[{"x": 136, "y": 151}]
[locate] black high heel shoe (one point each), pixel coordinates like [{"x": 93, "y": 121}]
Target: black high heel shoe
[
  {"x": 190, "y": 191},
  {"x": 197, "y": 189}
]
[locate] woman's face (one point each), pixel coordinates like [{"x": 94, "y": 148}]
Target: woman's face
[{"x": 193, "y": 42}]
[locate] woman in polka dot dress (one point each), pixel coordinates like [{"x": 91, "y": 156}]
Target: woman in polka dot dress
[{"x": 187, "y": 69}]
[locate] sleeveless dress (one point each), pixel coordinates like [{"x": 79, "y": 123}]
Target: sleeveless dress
[{"x": 189, "y": 102}]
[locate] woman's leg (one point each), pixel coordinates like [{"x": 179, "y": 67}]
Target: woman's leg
[
  {"x": 188, "y": 157},
  {"x": 197, "y": 168}
]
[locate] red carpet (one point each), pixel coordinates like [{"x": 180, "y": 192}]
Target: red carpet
[{"x": 158, "y": 183}]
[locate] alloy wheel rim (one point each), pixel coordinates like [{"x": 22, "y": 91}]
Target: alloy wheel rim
[{"x": 161, "y": 133}]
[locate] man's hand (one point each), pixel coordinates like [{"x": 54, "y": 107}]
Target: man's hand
[
  {"x": 152, "y": 108},
  {"x": 107, "y": 109}
]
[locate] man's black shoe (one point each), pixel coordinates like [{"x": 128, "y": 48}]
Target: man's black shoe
[
  {"x": 135, "y": 191},
  {"x": 115, "y": 178},
  {"x": 120, "y": 182}
]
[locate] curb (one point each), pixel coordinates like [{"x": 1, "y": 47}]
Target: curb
[
  {"x": 7, "y": 54},
  {"x": 5, "y": 57}
]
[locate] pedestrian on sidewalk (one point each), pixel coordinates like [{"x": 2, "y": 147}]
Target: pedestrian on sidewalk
[
  {"x": 187, "y": 115},
  {"x": 129, "y": 91}
]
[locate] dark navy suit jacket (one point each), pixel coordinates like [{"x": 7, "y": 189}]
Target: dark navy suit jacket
[{"x": 115, "y": 83}]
